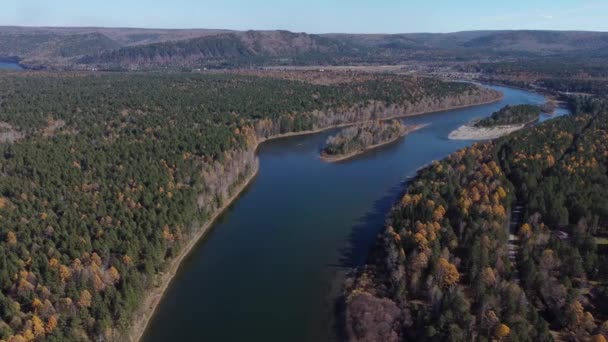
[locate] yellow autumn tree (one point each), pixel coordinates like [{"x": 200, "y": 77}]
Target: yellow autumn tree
[
  {"x": 36, "y": 304},
  {"x": 499, "y": 210},
  {"x": 420, "y": 261},
  {"x": 53, "y": 263},
  {"x": 406, "y": 200},
  {"x": 11, "y": 238},
  {"x": 115, "y": 276},
  {"x": 439, "y": 213},
  {"x": 85, "y": 299},
  {"x": 167, "y": 235},
  {"x": 96, "y": 259},
  {"x": 28, "y": 335},
  {"x": 488, "y": 276},
  {"x": 64, "y": 273},
  {"x": 98, "y": 283},
  {"x": 464, "y": 204},
  {"x": 447, "y": 273},
  {"x": 127, "y": 260},
  {"x": 51, "y": 324},
  {"x": 420, "y": 239},
  {"x": 598, "y": 338},
  {"x": 3, "y": 202},
  {"x": 37, "y": 326},
  {"x": 475, "y": 195},
  {"x": 502, "y": 331},
  {"x": 525, "y": 231},
  {"x": 16, "y": 338},
  {"x": 578, "y": 312}
]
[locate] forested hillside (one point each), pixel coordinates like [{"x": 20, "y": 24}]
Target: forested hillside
[
  {"x": 133, "y": 48},
  {"x": 226, "y": 50},
  {"x": 511, "y": 115},
  {"x": 500, "y": 241},
  {"x": 106, "y": 177}
]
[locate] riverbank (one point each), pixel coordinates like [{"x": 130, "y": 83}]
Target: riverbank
[
  {"x": 400, "y": 116},
  {"x": 155, "y": 295},
  {"x": 341, "y": 157},
  {"x": 467, "y": 132}
]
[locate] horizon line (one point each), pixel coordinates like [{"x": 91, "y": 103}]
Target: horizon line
[{"x": 284, "y": 30}]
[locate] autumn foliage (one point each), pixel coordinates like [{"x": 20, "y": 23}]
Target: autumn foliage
[{"x": 446, "y": 257}]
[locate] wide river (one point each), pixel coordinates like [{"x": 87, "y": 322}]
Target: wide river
[{"x": 273, "y": 264}]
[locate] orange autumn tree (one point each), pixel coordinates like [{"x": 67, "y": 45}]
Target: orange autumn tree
[
  {"x": 488, "y": 276},
  {"x": 85, "y": 299},
  {"x": 502, "y": 331},
  {"x": 11, "y": 238},
  {"x": 37, "y": 326},
  {"x": 51, "y": 324},
  {"x": 525, "y": 231},
  {"x": 598, "y": 338},
  {"x": 447, "y": 273}
]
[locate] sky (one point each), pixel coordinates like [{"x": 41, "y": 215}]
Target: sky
[{"x": 313, "y": 16}]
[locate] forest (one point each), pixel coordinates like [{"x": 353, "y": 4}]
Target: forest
[
  {"x": 505, "y": 240},
  {"x": 584, "y": 74},
  {"x": 352, "y": 140},
  {"x": 511, "y": 115},
  {"x": 562, "y": 67},
  {"x": 106, "y": 177}
]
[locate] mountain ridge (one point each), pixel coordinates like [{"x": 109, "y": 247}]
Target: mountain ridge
[{"x": 135, "y": 49}]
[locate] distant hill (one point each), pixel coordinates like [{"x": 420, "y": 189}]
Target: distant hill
[
  {"x": 132, "y": 48},
  {"x": 225, "y": 49},
  {"x": 541, "y": 41},
  {"x": 60, "y": 47}
]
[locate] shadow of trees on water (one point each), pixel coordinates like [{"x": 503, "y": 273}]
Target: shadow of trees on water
[{"x": 361, "y": 242}]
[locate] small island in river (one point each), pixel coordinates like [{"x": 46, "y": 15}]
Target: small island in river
[
  {"x": 503, "y": 122},
  {"x": 354, "y": 140}
]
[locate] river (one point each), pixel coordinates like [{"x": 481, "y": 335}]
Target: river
[
  {"x": 273, "y": 264},
  {"x": 10, "y": 66}
]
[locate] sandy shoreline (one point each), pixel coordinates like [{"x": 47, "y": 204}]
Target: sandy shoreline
[
  {"x": 467, "y": 132},
  {"x": 319, "y": 130},
  {"x": 336, "y": 158},
  {"x": 154, "y": 295}
]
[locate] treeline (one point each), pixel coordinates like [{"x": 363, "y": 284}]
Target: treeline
[
  {"x": 511, "y": 115},
  {"x": 598, "y": 87},
  {"x": 446, "y": 269},
  {"x": 110, "y": 176},
  {"x": 358, "y": 138},
  {"x": 577, "y": 75},
  {"x": 535, "y": 67}
]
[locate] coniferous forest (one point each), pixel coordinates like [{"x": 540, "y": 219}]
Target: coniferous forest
[
  {"x": 106, "y": 177},
  {"x": 511, "y": 115},
  {"x": 504, "y": 240}
]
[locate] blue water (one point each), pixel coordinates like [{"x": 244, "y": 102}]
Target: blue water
[
  {"x": 274, "y": 263},
  {"x": 10, "y": 66}
]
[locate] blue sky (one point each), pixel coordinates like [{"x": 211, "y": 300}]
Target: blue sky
[{"x": 314, "y": 16}]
